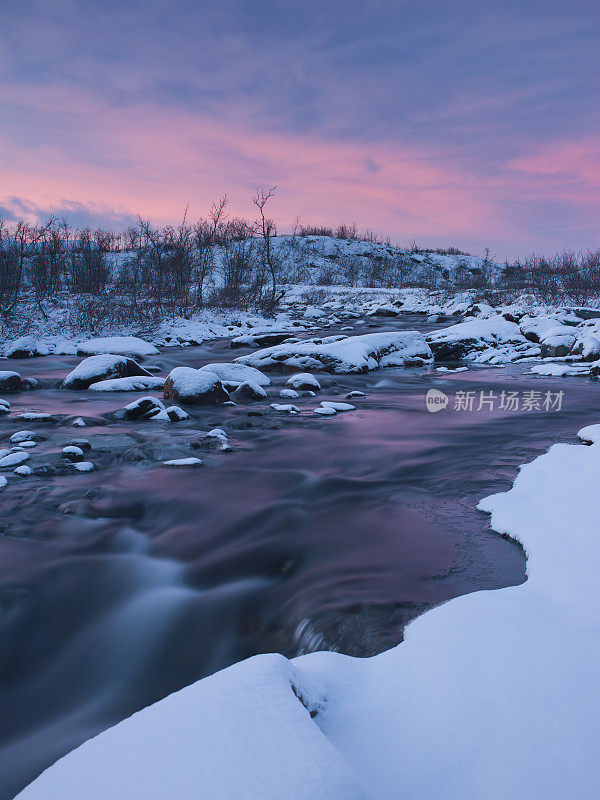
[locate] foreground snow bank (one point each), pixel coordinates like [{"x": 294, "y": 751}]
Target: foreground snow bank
[
  {"x": 346, "y": 354},
  {"x": 491, "y": 695}
]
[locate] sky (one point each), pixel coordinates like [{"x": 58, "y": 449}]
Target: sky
[{"x": 472, "y": 123}]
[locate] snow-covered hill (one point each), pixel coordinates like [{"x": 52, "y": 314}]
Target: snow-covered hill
[{"x": 325, "y": 259}]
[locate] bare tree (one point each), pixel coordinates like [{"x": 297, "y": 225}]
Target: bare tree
[{"x": 267, "y": 231}]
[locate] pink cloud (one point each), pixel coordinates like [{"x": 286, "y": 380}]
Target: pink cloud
[{"x": 152, "y": 160}]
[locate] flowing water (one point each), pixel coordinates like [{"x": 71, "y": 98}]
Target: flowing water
[{"x": 124, "y": 584}]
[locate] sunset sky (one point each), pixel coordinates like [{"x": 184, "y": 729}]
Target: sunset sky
[{"x": 465, "y": 122}]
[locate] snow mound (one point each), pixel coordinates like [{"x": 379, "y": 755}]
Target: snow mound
[
  {"x": 26, "y": 347},
  {"x": 559, "y": 370},
  {"x": 120, "y": 345},
  {"x": 139, "y": 383},
  {"x": 345, "y": 355}
]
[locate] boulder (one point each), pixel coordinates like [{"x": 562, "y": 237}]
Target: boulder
[
  {"x": 250, "y": 391},
  {"x": 100, "y": 368},
  {"x": 304, "y": 381},
  {"x": 232, "y": 374},
  {"x": 588, "y": 347},
  {"x": 198, "y": 387},
  {"x": 260, "y": 339},
  {"x": 144, "y": 408},
  {"x": 10, "y": 381}
]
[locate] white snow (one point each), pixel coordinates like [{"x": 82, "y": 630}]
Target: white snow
[
  {"x": 191, "y": 384},
  {"x": 488, "y": 340},
  {"x": 303, "y": 380},
  {"x": 103, "y": 366},
  {"x": 170, "y": 414},
  {"x": 591, "y": 433},
  {"x": 79, "y": 422},
  {"x": 136, "y": 383},
  {"x": 3, "y": 481},
  {"x": 286, "y": 408},
  {"x": 23, "y": 470},
  {"x": 233, "y": 375},
  {"x": 559, "y": 370},
  {"x": 119, "y": 345},
  {"x": 337, "y": 406},
  {"x": 27, "y": 344},
  {"x": 72, "y": 450},
  {"x": 288, "y": 394},
  {"x": 325, "y": 411},
  {"x": 183, "y": 462},
  {"x": 346, "y": 355},
  {"x": 492, "y": 695},
  {"x": 22, "y": 436},
  {"x": 13, "y": 459},
  {"x": 83, "y": 466}
]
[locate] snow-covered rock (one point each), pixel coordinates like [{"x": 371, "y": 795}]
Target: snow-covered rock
[
  {"x": 102, "y": 367},
  {"x": 250, "y": 391},
  {"x": 34, "y": 416},
  {"x": 232, "y": 374},
  {"x": 534, "y": 328},
  {"x": 192, "y": 461},
  {"x": 83, "y": 466},
  {"x": 26, "y": 347},
  {"x": 195, "y": 386},
  {"x": 588, "y": 347},
  {"x": 24, "y": 470},
  {"x": 285, "y": 408},
  {"x": 142, "y": 408},
  {"x": 72, "y": 453},
  {"x": 169, "y": 414},
  {"x": 135, "y": 383},
  {"x": 24, "y": 436},
  {"x": 559, "y": 370},
  {"x": 13, "y": 459},
  {"x": 304, "y": 381},
  {"x": 10, "y": 381},
  {"x": 346, "y": 355},
  {"x": 4, "y": 406},
  {"x": 264, "y": 339},
  {"x": 475, "y": 337},
  {"x": 289, "y": 394},
  {"x": 336, "y": 406},
  {"x": 557, "y": 341},
  {"x": 119, "y": 345}
]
